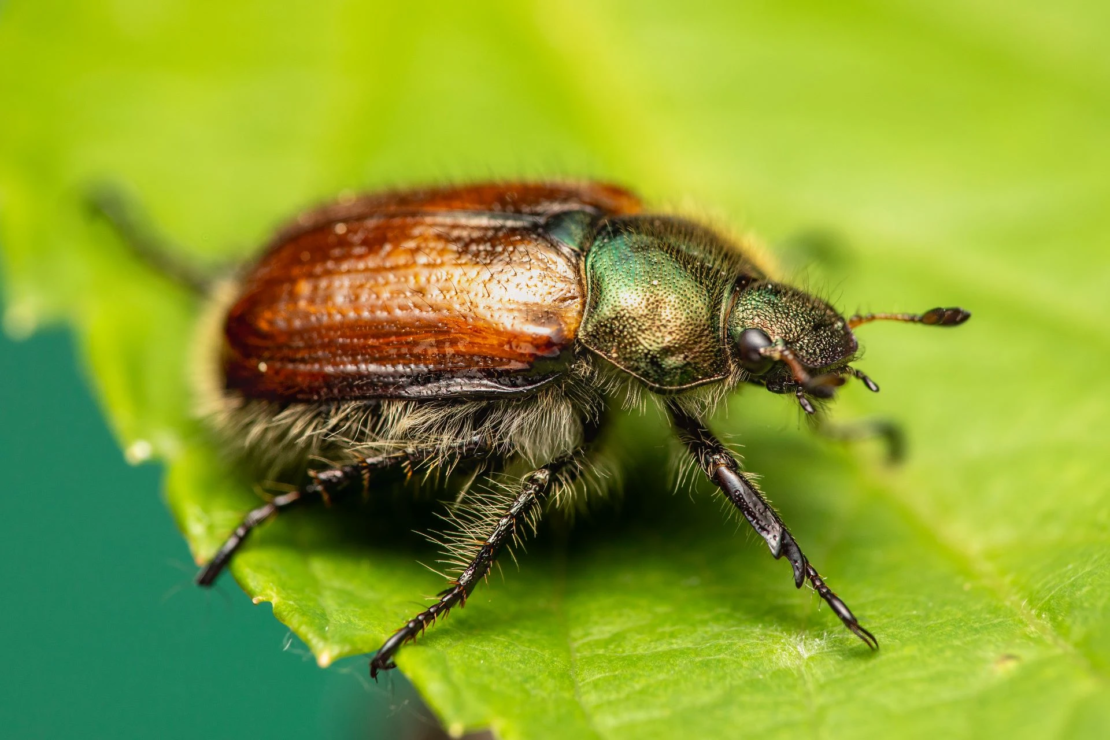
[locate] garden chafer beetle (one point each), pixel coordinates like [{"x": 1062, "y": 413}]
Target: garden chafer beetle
[{"x": 496, "y": 323}]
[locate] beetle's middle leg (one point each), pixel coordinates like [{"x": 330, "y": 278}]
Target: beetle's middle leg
[
  {"x": 535, "y": 487},
  {"x": 718, "y": 463},
  {"x": 327, "y": 485}
]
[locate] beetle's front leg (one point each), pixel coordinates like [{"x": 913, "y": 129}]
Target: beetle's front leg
[
  {"x": 722, "y": 468},
  {"x": 534, "y": 489}
]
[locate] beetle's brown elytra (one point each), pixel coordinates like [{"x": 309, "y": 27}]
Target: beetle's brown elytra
[{"x": 494, "y": 323}]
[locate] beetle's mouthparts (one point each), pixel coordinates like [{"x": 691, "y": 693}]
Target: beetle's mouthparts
[
  {"x": 821, "y": 386},
  {"x": 871, "y": 384}
]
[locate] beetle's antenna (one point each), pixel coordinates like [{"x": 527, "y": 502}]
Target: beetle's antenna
[{"x": 933, "y": 317}]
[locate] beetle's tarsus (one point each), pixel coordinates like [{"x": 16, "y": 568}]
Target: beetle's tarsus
[
  {"x": 840, "y": 608},
  {"x": 376, "y": 666},
  {"x": 868, "y": 638},
  {"x": 210, "y": 572}
]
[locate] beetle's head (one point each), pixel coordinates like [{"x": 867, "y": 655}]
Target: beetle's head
[{"x": 792, "y": 342}]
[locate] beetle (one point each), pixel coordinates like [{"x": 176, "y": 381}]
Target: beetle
[{"x": 495, "y": 323}]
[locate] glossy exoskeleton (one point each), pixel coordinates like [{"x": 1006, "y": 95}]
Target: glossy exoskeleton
[{"x": 496, "y": 322}]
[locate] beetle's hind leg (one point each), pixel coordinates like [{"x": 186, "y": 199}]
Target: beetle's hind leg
[
  {"x": 327, "y": 485},
  {"x": 535, "y": 487},
  {"x": 125, "y": 218},
  {"x": 721, "y": 467}
]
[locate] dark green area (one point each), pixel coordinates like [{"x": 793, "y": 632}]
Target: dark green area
[{"x": 105, "y": 634}]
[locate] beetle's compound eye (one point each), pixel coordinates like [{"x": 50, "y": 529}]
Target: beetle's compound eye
[{"x": 750, "y": 345}]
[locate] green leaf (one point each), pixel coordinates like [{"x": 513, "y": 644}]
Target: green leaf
[{"x": 950, "y": 154}]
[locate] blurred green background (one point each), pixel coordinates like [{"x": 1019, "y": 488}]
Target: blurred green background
[{"x": 907, "y": 153}]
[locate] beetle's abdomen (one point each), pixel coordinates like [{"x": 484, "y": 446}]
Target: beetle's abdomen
[{"x": 405, "y": 305}]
